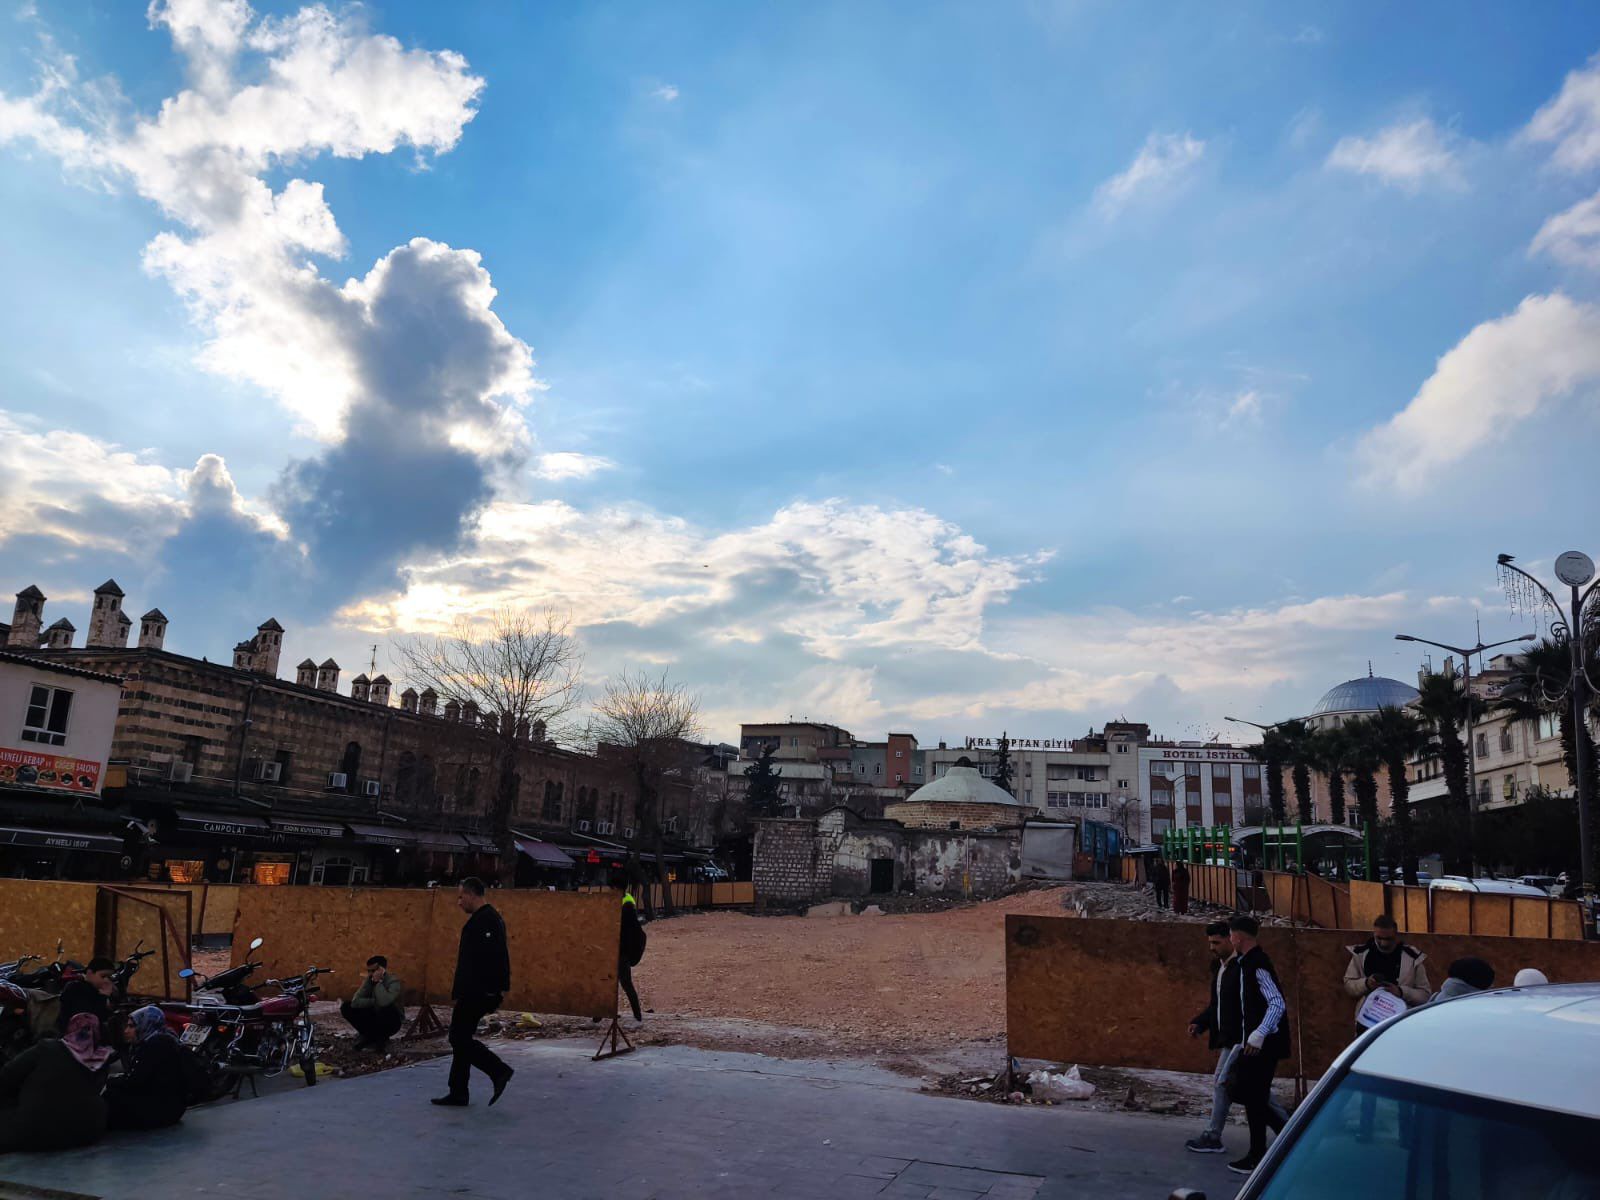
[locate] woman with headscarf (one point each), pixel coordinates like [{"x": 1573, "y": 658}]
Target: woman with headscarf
[
  {"x": 50, "y": 1093},
  {"x": 153, "y": 1090}
]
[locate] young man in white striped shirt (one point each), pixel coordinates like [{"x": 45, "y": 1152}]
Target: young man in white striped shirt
[{"x": 1265, "y": 1028}]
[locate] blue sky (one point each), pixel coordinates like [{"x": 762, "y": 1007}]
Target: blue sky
[{"x": 941, "y": 367}]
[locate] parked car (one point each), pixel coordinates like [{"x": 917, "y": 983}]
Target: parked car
[
  {"x": 1499, "y": 887},
  {"x": 710, "y": 873},
  {"x": 1548, "y": 884},
  {"x": 1404, "y": 1114}
]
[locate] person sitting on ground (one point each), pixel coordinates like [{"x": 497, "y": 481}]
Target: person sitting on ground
[
  {"x": 90, "y": 994},
  {"x": 50, "y": 1093},
  {"x": 1384, "y": 962},
  {"x": 375, "y": 1010},
  {"x": 153, "y": 1090},
  {"x": 1530, "y": 977},
  {"x": 1467, "y": 975}
]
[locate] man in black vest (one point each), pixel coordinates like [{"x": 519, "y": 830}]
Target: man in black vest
[
  {"x": 483, "y": 976},
  {"x": 1265, "y": 1027},
  {"x": 1220, "y": 1019}
]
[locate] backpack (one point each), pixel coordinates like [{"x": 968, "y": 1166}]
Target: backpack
[{"x": 633, "y": 938}]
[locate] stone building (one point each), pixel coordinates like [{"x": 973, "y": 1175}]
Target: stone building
[{"x": 961, "y": 798}]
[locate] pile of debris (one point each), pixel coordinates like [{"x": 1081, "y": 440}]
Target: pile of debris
[{"x": 1135, "y": 902}]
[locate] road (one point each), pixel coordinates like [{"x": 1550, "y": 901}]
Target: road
[{"x": 665, "y": 1123}]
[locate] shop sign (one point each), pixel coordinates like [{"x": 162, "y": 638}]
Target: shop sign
[
  {"x": 29, "y": 768},
  {"x": 306, "y": 829}
]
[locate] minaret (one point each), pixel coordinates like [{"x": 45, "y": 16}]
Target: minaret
[
  {"x": 27, "y": 619},
  {"x": 153, "y": 630},
  {"x": 103, "y": 618}
]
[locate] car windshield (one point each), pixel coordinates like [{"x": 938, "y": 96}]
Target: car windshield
[{"x": 1379, "y": 1139}]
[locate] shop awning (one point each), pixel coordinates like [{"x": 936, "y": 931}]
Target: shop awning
[
  {"x": 544, "y": 854},
  {"x": 295, "y": 827},
  {"x": 444, "y": 843},
  {"x": 481, "y": 843},
  {"x": 60, "y": 839},
  {"x": 225, "y": 824},
  {"x": 382, "y": 835}
]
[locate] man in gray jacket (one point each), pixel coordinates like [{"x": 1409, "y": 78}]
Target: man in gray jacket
[{"x": 375, "y": 1010}]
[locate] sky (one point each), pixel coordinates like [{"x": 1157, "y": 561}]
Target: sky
[{"x": 946, "y": 368}]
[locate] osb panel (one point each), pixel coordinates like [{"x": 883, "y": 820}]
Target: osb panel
[
  {"x": 216, "y": 906},
  {"x": 35, "y": 914},
  {"x": 139, "y": 925},
  {"x": 1491, "y": 915},
  {"x": 1530, "y": 917},
  {"x": 1566, "y": 921},
  {"x": 1323, "y": 907},
  {"x": 563, "y": 949},
  {"x": 1281, "y": 888},
  {"x": 1452, "y": 912},
  {"x": 339, "y": 928},
  {"x": 1418, "y": 919},
  {"x": 1060, "y": 971},
  {"x": 1367, "y": 903}
]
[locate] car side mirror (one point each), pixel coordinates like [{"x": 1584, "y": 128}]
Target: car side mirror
[
  {"x": 256, "y": 944},
  {"x": 186, "y": 973}
]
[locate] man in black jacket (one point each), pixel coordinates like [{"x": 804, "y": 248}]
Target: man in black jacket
[
  {"x": 90, "y": 994},
  {"x": 1265, "y": 1028},
  {"x": 483, "y": 976}
]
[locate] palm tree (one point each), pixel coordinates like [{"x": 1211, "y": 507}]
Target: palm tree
[
  {"x": 1363, "y": 760},
  {"x": 1539, "y": 681},
  {"x": 1327, "y": 752},
  {"x": 1271, "y": 754},
  {"x": 1298, "y": 739},
  {"x": 1398, "y": 735},
  {"x": 1443, "y": 703}
]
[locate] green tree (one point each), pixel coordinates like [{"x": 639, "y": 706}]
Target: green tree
[
  {"x": 1398, "y": 735},
  {"x": 763, "y": 795},
  {"x": 1327, "y": 752},
  {"x": 1363, "y": 760},
  {"x": 1298, "y": 739},
  {"x": 1272, "y": 753},
  {"x": 1443, "y": 703},
  {"x": 1002, "y": 763}
]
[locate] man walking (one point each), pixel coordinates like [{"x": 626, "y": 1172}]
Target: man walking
[
  {"x": 374, "y": 1011},
  {"x": 1265, "y": 1028},
  {"x": 1160, "y": 881},
  {"x": 1384, "y": 963},
  {"x": 483, "y": 976},
  {"x": 630, "y": 951}
]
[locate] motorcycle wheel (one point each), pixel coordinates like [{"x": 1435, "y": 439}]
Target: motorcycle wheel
[{"x": 308, "y": 1065}]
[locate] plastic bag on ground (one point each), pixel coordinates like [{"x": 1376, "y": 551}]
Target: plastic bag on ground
[{"x": 1060, "y": 1085}]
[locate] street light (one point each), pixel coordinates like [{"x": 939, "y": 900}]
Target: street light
[
  {"x": 1575, "y": 569},
  {"x": 1472, "y": 751}
]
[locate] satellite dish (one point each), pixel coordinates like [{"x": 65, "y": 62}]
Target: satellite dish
[{"x": 1574, "y": 568}]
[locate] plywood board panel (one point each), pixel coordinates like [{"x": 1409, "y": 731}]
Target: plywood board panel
[
  {"x": 1419, "y": 917},
  {"x": 133, "y": 914},
  {"x": 1367, "y": 903},
  {"x": 35, "y": 914},
  {"x": 1566, "y": 921},
  {"x": 1491, "y": 915},
  {"x": 1530, "y": 917},
  {"x": 1452, "y": 912}
]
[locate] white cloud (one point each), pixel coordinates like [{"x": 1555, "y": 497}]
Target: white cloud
[
  {"x": 1571, "y": 120},
  {"x": 666, "y": 93},
  {"x": 569, "y": 464},
  {"x": 1309, "y": 35},
  {"x": 1161, "y": 165},
  {"x": 1245, "y": 409},
  {"x": 1572, "y": 237},
  {"x": 1406, "y": 155},
  {"x": 1501, "y": 374}
]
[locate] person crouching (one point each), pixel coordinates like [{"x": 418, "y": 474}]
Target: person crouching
[{"x": 375, "y": 1011}]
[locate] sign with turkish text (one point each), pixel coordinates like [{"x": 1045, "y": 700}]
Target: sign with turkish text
[
  {"x": 1379, "y": 1007},
  {"x": 29, "y": 768},
  {"x": 984, "y": 743}
]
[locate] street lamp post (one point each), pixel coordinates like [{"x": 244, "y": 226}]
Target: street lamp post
[
  {"x": 1472, "y": 749},
  {"x": 1575, "y": 569}
]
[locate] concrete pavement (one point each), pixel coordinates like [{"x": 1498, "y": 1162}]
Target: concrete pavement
[{"x": 664, "y": 1123}]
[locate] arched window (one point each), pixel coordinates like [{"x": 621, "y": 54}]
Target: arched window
[
  {"x": 405, "y": 779},
  {"x": 351, "y": 766},
  {"x": 552, "y": 802}
]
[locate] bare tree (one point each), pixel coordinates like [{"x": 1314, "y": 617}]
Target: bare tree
[
  {"x": 520, "y": 673},
  {"x": 646, "y": 720}
]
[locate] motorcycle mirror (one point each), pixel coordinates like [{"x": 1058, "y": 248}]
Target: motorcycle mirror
[
  {"x": 256, "y": 945},
  {"x": 186, "y": 973}
]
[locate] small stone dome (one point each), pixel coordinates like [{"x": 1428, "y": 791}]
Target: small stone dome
[{"x": 963, "y": 784}]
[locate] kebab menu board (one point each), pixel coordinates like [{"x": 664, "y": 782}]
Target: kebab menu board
[{"x": 29, "y": 768}]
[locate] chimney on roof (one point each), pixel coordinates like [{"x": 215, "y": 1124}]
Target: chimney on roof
[
  {"x": 27, "y": 619},
  {"x": 306, "y": 674},
  {"x": 269, "y": 645},
  {"x": 328, "y": 676},
  {"x": 103, "y": 617},
  {"x": 379, "y": 694},
  {"x": 428, "y": 703},
  {"x": 360, "y": 686},
  {"x": 59, "y": 635},
  {"x": 408, "y": 700},
  {"x": 244, "y": 654},
  {"x": 152, "y": 630},
  {"x": 452, "y": 710}
]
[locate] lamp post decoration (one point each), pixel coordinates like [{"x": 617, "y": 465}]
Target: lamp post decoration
[{"x": 1578, "y": 628}]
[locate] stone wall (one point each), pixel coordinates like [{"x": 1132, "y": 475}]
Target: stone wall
[
  {"x": 972, "y": 864},
  {"x": 786, "y": 861},
  {"x": 916, "y": 814}
]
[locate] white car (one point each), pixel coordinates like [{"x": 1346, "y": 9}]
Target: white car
[
  {"x": 1486, "y": 1096},
  {"x": 1497, "y": 887}
]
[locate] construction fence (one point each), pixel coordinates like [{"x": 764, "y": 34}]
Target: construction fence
[
  {"x": 90, "y": 919},
  {"x": 688, "y": 895},
  {"x": 1312, "y": 900}
]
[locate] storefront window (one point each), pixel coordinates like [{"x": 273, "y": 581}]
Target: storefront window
[
  {"x": 185, "y": 870},
  {"x": 271, "y": 873}
]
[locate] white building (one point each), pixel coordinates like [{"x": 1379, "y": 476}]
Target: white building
[
  {"x": 1183, "y": 784},
  {"x": 1093, "y": 777},
  {"x": 56, "y": 724}
]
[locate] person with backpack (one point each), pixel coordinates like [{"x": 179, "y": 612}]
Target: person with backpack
[{"x": 630, "y": 951}]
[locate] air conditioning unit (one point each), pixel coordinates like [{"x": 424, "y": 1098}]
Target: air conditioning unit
[
  {"x": 269, "y": 772},
  {"x": 371, "y": 787},
  {"x": 602, "y": 827},
  {"x": 583, "y": 827},
  {"x": 628, "y": 832},
  {"x": 672, "y": 824},
  {"x": 338, "y": 780},
  {"x": 180, "y": 772}
]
